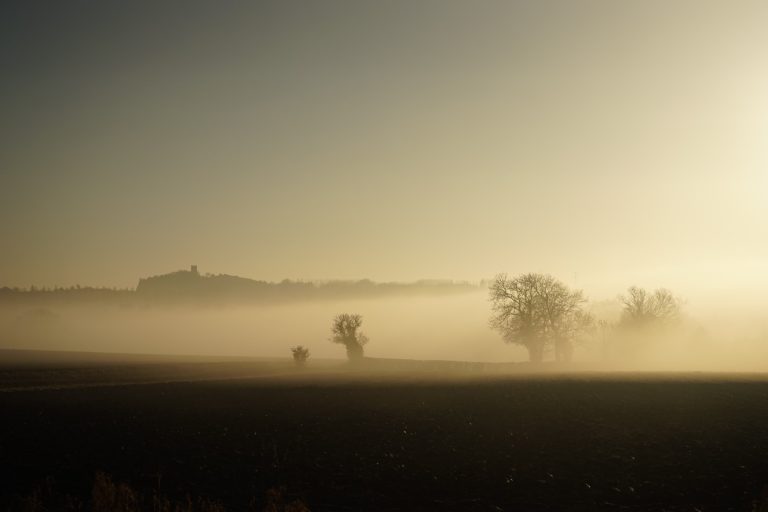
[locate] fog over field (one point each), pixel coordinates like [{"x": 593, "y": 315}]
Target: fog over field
[
  {"x": 453, "y": 327},
  {"x": 712, "y": 335}
]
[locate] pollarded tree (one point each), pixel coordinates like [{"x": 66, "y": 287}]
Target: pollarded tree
[
  {"x": 345, "y": 331},
  {"x": 538, "y": 312}
]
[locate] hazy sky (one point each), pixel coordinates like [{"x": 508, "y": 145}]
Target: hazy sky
[{"x": 607, "y": 142}]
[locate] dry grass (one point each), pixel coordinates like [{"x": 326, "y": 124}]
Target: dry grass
[
  {"x": 110, "y": 496},
  {"x": 276, "y": 502}
]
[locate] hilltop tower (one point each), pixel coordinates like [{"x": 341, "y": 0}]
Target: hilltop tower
[{"x": 193, "y": 269}]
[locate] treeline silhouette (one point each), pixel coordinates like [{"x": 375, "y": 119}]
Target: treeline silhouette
[
  {"x": 189, "y": 286},
  {"x": 79, "y": 294},
  {"x": 544, "y": 315}
]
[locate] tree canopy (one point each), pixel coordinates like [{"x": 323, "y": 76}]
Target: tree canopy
[
  {"x": 642, "y": 309},
  {"x": 538, "y": 312}
]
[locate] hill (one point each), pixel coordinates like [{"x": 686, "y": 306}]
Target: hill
[{"x": 185, "y": 286}]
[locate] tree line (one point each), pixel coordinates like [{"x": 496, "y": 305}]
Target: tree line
[
  {"x": 542, "y": 314},
  {"x": 191, "y": 287}
]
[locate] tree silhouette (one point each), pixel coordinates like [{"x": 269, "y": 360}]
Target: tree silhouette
[
  {"x": 643, "y": 310},
  {"x": 538, "y": 312},
  {"x": 345, "y": 331},
  {"x": 647, "y": 320}
]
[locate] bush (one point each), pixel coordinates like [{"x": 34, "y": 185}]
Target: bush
[{"x": 300, "y": 355}]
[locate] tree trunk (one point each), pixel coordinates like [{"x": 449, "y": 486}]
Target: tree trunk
[
  {"x": 536, "y": 353},
  {"x": 354, "y": 351}
]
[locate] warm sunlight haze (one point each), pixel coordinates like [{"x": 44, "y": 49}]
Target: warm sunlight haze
[{"x": 331, "y": 255}]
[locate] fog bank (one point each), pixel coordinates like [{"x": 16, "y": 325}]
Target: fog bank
[{"x": 455, "y": 327}]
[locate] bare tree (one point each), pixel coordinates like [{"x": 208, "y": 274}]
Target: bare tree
[
  {"x": 642, "y": 310},
  {"x": 647, "y": 320},
  {"x": 345, "y": 331},
  {"x": 538, "y": 312},
  {"x": 300, "y": 355},
  {"x": 564, "y": 319},
  {"x": 515, "y": 314}
]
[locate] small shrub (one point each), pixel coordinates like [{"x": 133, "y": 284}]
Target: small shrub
[{"x": 300, "y": 355}]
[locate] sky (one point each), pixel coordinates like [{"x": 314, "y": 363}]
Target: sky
[{"x": 608, "y": 143}]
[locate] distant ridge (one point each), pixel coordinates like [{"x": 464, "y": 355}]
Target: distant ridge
[
  {"x": 185, "y": 286},
  {"x": 190, "y": 284}
]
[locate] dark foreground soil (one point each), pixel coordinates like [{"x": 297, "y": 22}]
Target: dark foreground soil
[{"x": 524, "y": 443}]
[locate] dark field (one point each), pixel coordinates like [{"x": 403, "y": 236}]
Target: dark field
[{"x": 398, "y": 442}]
